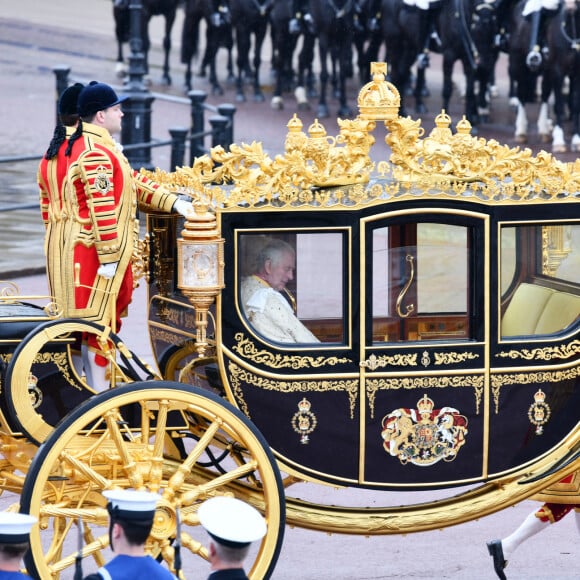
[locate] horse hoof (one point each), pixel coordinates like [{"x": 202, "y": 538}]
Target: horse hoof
[
  {"x": 120, "y": 70},
  {"x": 544, "y": 138},
  {"x": 421, "y": 109},
  {"x": 240, "y": 98},
  {"x": 217, "y": 91},
  {"x": 323, "y": 112},
  {"x": 344, "y": 112},
  {"x": 259, "y": 98},
  {"x": 559, "y": 148},
  {"x": 521, "y": 139},
  {"x": 305, "y": 106},
  {"x": 277, "y": 103}
]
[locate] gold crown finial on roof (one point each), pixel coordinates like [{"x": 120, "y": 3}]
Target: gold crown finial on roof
[
  {"x": 464, "y": 126},
  {"x": 295, "y": 124},
  {"x": 443, "y": 120},
  {"x": 379, "y": 100},
  {"x": 316, "y": 130}
]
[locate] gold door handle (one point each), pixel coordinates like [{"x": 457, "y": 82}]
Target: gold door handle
[{"x": 411, "y": 307}]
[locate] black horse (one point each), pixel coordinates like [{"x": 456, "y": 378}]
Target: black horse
[
  {"x": 468, "y": 30},
  {"x": 406, "y": 30},
  {"x": 563, "y": 40},
  {"x": 217, "y": 18},
  {"x": 284, "y": 45},
  {"x": 334, "y": 25},
  {"x": 525, "y": 79},
  {"x": 122, "y": 16},
  {"x": 250, "y": 19}
]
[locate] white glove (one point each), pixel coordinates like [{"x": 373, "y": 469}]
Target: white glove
[
  {"x": 183, "y": 207},
  {"x": 108, "y": 270}
]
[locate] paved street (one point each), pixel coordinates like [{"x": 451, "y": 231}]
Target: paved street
[{"x": 35, "y": 36}]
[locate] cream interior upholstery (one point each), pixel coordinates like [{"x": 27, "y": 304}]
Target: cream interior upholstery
[{"x": 538, "y": 310}]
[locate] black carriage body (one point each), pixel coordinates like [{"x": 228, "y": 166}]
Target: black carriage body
[
  {"x": 334, "y": 410},
  {"x": 345, "y": 389},
  {"x": 435, "y": 297}
]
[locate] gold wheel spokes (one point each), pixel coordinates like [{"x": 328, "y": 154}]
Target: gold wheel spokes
[
  {"x": 42, "y": 382},
  {"x": 154, "y": 436}
]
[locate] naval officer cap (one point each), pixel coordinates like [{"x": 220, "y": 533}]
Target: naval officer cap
[
  {"x": 130, "y": 504},
  {"x": 15, "y": 528},
  {"x": 231, "y": 522}
]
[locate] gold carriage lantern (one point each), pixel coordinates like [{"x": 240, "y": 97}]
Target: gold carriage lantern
[{"x": 200, "y": 276}]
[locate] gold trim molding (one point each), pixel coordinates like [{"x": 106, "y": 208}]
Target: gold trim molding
[
  {"x": 318, "y": 170},
  {"x": 247, "y": 349},
  {"x": 238, "y": 375},
  {"x": 372, "y": 386},
  {"x": 547, "y": 353},
  {"x": 529, "y": 378}
]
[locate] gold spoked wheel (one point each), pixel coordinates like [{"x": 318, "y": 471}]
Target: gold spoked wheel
[
  {"x": 182, "y": 442},
  {"x": 42, "y": 384}
]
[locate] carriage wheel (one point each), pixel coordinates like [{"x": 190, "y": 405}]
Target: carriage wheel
[
  {"x": 182, "y": 442},
  {"x": 41, "y": 383}
]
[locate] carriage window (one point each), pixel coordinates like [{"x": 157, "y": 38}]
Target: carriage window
[
  {"x": 420, "y": 282},
  {"x": 291, "y": 286},
  {"x": 540, "y": 279}
]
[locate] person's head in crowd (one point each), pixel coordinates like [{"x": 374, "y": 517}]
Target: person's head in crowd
[
  {"x": 14, "y": 539},
  {"x": 131, "y": 515},
  {"x": 232, "y": 526},
  {"x": 99, "y": 104},
  {"x": 275, "y": 263},
  {"x": 68, "y": 116}
]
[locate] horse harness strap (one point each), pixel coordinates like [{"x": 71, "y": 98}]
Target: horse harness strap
[
  {"x": 264, "y": 7},
  {"x": 342, "y": 11},
  {"x": 470, "y": 48}
]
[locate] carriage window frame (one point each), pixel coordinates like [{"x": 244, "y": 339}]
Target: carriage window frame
[
  {"x": 334, "y": 332},
  {"x": 439, "y": 326},
  {"x": 542, "y": 253}
]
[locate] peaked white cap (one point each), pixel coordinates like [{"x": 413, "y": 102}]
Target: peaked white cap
[
  {"x": 231, "y": 521},
  {"x": 15, "y": 528},
  {"x": 132, "y": 504}
]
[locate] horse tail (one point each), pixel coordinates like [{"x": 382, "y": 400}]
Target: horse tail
[{"x": 189, "y": 38}]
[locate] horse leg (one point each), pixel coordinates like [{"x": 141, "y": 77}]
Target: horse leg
[
  {"x": 259, "y": 41},
  {"x": 345, "y": 57},
  {"x": 305, "y": 75},
  {"x": 243, "y": 45},
  {"x": 420, "y": 85},
  {"x": 558, "y": 141},
  {"x": 323, "y": 55},
  {"x": 447, "y": 91},
  {"x": 575, "y": 113},
  {"x": 544, "y": 122},
  {"x": 470, "y": 104},
  {"x": 169, "y": 20}
]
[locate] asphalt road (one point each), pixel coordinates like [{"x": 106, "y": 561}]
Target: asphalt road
[{"x": 35, "y": 36}]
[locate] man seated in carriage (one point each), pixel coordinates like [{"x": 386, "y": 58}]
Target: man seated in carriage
[{"x": 263, "y": 295}]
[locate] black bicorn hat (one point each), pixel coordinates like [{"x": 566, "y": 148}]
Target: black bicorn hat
[
  {"x": 97, "y": 97},
  {"x": 68, "y": 102}
]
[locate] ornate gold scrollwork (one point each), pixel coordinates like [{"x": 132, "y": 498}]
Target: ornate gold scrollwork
[
  {"x": 409, "y": 307},
  {"x": 247, "y": 349},
  {"x": 562, "y": 351},
  {"x": 372, "y": 386},
  {"x": 238, "y": 375},
  {"x": 375, "y": 362}
]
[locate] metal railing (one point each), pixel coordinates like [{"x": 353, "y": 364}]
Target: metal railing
[{"x": 182, "y": 140}]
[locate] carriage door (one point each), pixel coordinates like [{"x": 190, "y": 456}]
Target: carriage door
[{"x": 423, "y": 358}]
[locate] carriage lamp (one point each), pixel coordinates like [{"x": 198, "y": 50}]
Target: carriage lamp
[{"x": 200, "y": 276}]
